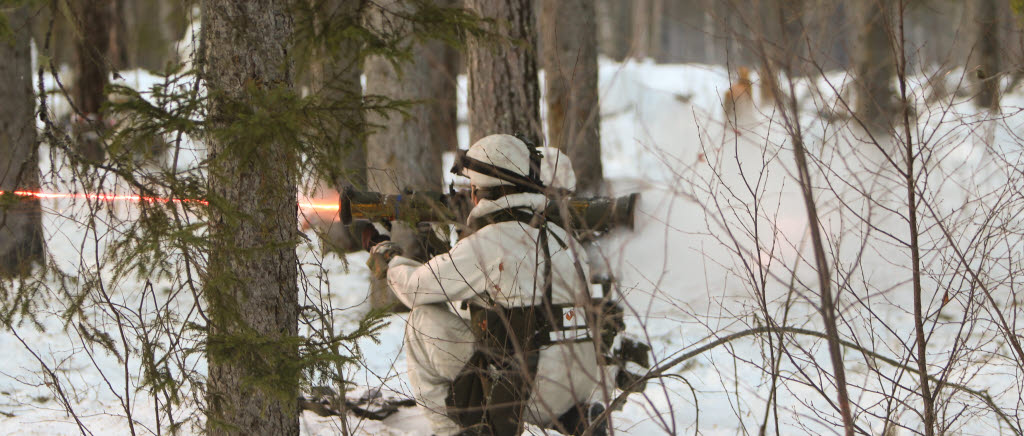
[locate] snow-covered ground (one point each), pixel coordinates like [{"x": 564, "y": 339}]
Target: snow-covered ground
[{"x": 720, "y": 230}]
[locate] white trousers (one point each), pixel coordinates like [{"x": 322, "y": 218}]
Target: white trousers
[{"x": 438, "y": 343}]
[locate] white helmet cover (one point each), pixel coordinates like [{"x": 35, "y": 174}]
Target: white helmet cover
[
  {"x": 503, "y": 151},
  {"x": 556, "y": 170}
]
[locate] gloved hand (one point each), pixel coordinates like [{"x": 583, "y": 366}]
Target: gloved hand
[
  {"x": 380, "y": 255},
  {"x": 634, "y": 360},
  {"x": 419, "y": 243}
]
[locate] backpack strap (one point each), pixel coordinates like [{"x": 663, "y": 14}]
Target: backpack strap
[{"x": 493, "y": 389}]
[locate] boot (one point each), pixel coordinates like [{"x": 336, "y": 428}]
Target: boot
[{"x": 582, "y": 418}]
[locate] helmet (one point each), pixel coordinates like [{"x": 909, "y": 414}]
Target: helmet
[
  {"x": 556, "y": 170},
  {"x": 503, "y": 151}
]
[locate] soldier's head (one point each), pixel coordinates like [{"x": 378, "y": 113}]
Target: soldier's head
[
  {"x": 509, "y": 157},
  {"x": 500, "y": 165}
]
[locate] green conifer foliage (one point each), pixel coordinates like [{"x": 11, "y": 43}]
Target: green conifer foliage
[{"x": 170, "y": 287}]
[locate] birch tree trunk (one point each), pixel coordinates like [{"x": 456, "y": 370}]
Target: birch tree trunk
[
  {"x": 251, "y": 282},
  {"x": 21, "y": 229},
  {"x": 504, "y": 96},
  {"x": 569, "y": 31}
]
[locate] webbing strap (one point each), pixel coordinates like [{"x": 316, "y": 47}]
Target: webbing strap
[
  {"x": 493, "y": 373},
  {"x": 543, "y": 240},
  {"x": 535, "y": 157},
  {"x": 527, "y": 217},
  {"x": 530, "y": 182},
  {"x": 464, "y": 162},
  {"x": 502, "y": 216}
]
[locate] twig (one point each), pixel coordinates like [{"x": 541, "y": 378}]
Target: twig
[{"x": 660, "y": 370}]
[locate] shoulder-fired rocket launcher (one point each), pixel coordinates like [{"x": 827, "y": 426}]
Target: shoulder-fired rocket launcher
[{"x": 586, "y": 215}]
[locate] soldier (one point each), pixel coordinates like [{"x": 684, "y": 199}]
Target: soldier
[{"x": 525, "y": 352}]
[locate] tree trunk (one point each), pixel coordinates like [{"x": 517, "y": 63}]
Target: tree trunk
[
  {"x": 503, "y": 92},
  {"x": 336, "y": 80},
  {"x": 443, "y": 104},
  {"x": 91, "y": 45},
  {"x": 251, "y": 281},
  {"x": 152, "y": 28},
  {"x": 684, "y": 34},
  {"x": 404, "y": 153},
  {"x": 876, "y": 69},
  {"x": 649, "y": 36},
  {"x": 830, "y": 32},
  {"x": 62, "y": 49},
  {"x": 118, "y": 35},
  {"x": 92, "y": 54},
  {"x": 401, "y": 155},
  {"x": 569, "y": 31},
  {"x": 986, "y": 20},
  {"x": 657, "y": 35},
  {"x": 729, "y": 33},
  {"x": 642, "y": 28},
  {"x": 21, "y": 229},
  {"x": 615, "y": 27},
  {"x": 781, "y": 28}
]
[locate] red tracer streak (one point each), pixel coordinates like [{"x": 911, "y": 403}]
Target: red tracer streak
[{"x": 305, "y": 204}]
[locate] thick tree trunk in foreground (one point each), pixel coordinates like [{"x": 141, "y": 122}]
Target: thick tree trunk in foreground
[
  {"x": 875, "y": 66},
  {"x": 336, "y": 80},
  {"x": 404, "y": 154},
  {"x": 21, "y": 229},
  {"x": 569, "y": 31},
  {"x": 251, "y": 282},
  {"x": 503, "y": 93}
]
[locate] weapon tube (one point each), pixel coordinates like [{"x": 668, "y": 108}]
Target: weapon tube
[{"x": 593, "y": 214}]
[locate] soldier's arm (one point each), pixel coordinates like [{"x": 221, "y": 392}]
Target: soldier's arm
[{"x": 459, "y": 274}]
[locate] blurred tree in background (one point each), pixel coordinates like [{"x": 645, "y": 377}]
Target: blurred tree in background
[
  {"x": 21, "y": 227},
  {"x": 569, "y": 32}
]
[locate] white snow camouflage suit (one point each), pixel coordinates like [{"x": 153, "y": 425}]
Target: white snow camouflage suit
[{"x": 499, "y": 261}]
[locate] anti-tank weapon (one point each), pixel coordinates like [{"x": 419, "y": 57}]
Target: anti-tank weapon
[{"x": 586, "y": 216}]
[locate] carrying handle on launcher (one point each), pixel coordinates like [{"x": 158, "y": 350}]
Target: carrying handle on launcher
[{"x": 345, "y": 205}]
